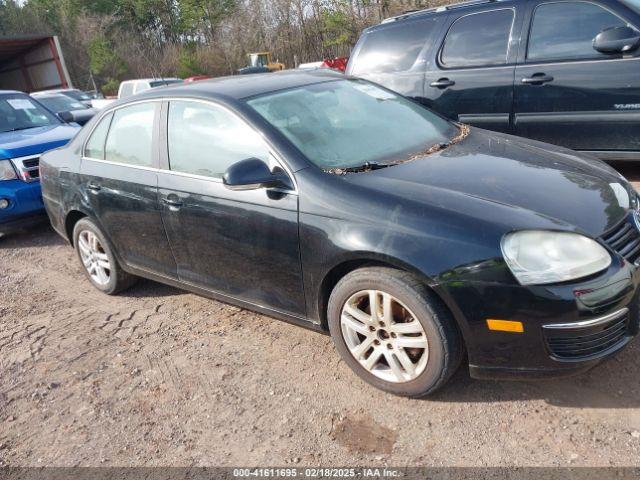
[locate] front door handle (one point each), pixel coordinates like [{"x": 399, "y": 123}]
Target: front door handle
[
  {"x": 94, "y": 187},
  {"x": 442, "y": 83},
  {"x": 173, "y": 202},
  {"x": 537, "y": 79}
]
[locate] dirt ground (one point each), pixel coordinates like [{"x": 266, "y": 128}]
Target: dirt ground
[{"x": 157, "y": 376}]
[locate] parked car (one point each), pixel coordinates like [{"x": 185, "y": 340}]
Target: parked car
[
  {"x": 64, "y": 106},
  {"x": 131, "y": 87},
  {"x": 72, "y": 93},
  {"x": 566, "y": 73},
  {"x": 341, "y": 206},
  {"x": 26, "y": 130}
]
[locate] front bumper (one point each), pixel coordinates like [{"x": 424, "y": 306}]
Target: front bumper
[
  {"x": 568, "y": 328},
  {"x": 25, "y": 205}
]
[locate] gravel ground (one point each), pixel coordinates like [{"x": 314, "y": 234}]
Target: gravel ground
[{"x": 157, "y": 376}]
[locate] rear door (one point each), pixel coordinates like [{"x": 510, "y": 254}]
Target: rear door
[
  {"x": 238, "y": 243},
  {"x": 471, "y": 74},
  {"x": 394, "y": 54},
  {"x": 120, "y": 178},
  {"x": 569, "y": 94}
]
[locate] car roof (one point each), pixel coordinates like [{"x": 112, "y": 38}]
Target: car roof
[
  {"x": 10, "y": 92},
  {"x": 158, "y": 79},
  {"x": 411, "y": 14},
  {"x": 48, "y": 93},
  {"x": 243, "y": 86}
]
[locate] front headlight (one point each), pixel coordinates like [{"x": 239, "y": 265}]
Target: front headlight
[
  {"x": 6, "y": 170},
  {"x": 537, "y": 257}
]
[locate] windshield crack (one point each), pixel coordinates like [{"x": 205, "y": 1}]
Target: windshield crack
[{"x": 369, "y": 166}]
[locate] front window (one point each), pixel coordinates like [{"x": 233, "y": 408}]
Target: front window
[
  {"x": 565, "y": 30},
  {"x": 61, "y": 103},
  {"x": 19, "y": 112},
  {"x": 348, "y": 123}
]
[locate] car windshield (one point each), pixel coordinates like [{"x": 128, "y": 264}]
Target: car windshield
[
  {"x": 61, "y": 103},
  {"x": 351, "y": 123},
  {"x": 77, "y": 95},
  {"x": 19, "y": 112},
  {"x": 634, "y": 4}
]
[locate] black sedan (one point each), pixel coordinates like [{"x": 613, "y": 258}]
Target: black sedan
[{"x": 341, "y": 206}]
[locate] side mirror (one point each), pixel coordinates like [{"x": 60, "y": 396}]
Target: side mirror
[
  {"x": 617, "y": 40},
  {"x": 253, "y": 173},
  {"x": 66, "y": 117}
]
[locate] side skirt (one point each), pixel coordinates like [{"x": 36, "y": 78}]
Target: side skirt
[{"x": 173, "y": 282}]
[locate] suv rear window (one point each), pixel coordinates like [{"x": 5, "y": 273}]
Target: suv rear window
[
  {"x": 478, "y": 39},
  {"x": 566, "y": 30},
  {"x": 393, "y": 48}
]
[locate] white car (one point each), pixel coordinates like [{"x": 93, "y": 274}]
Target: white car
[{"x": 131, "y": 87}]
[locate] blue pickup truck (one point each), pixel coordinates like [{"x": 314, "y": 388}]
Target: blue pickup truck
[{"x": 27, "y": 129}]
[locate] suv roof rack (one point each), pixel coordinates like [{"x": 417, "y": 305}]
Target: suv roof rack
[{"x": 444, "y": 8}]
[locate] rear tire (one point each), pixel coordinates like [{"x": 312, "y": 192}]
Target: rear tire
[
  {"x": 410, "y": 346},
  {"x": 97, "y": 260}
]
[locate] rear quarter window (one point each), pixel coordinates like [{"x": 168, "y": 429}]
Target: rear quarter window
[{"x": 393, "y": 48}]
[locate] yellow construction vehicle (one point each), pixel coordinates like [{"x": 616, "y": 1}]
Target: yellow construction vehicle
[{"x": 261, "y": 62}]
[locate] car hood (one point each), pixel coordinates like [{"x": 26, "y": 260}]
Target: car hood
[
  {"x": 34, "y": 141},
  {"x": 572, "y": 190}
]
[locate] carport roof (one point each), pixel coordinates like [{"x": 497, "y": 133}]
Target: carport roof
[{"x": 11, "y": 47}]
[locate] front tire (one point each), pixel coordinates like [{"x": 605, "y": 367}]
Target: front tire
[
  {"x": 97, "y": 260},
  {"x": 393, "y": 332}
]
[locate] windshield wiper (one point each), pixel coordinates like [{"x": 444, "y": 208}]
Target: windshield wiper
[{"x": 365, "y": 167}]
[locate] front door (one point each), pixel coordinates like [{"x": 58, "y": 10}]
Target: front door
[
  {"x": 239, "y": 243},
  {"x": 120, "y": 180},
  {"x": 569, "y": 94},
  {"x": 471, "y": 77}
]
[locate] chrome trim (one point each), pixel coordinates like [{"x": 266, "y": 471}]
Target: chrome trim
[
  {"x": 588, "y": 323},
  {"x": 272, "y": 151},
  {"x": 23, "y": 171}
]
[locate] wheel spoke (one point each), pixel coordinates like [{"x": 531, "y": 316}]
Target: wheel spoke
[
  {"x": 358, "y": 314},
  {"x": 411, "y": 342},
  {"x": 387, "y": 310},
  {"x": 93, "y": 241},
  {"x": 354, "y": 324},
  {"x": 102, "y": 275},
  {"x": 370, "y": 362},
  {"x": 406, "y": 362},
  {"x": 374, "y": 305},
  {"x": 83, "y": 246},
  {"x": 104, "y": 264},
  {"x": 413, "y": 326},
  {"x": 361, "y": 349},
  {"x": 395, "y": 366}
]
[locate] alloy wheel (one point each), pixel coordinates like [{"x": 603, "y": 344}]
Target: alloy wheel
[
  {"x": 94, "y": 257},
  {"x": 384, "y": 336}
]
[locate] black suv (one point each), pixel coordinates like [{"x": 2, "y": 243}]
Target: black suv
[{"x": 563, "y": 72}]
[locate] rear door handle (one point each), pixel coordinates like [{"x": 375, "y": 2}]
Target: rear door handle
[
  {"x": 173, "y": 202},
  {"x": 94, "y": 187},
  {"x": 537, "y": 79},
  {"x": 442, "y": 83}
]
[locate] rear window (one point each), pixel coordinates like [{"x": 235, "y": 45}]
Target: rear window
[
  {"x": 393, "y": 49},
  {"x": 478, "y": 39}
]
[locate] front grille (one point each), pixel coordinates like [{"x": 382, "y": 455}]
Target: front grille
[
  {"x": 625, "y": 239},
  {"x": 584, "y": 342},
  {"x": 28, "y": 168}
]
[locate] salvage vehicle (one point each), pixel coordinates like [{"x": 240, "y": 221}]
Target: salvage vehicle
[
  {"x": 562, "y": 72},
  {"x": 68, "y": 109},
  {"x": 73, "y": 94},
  {"x": 27, "y": 129},
  {"x": 339, "y": 205}
]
